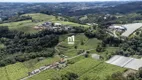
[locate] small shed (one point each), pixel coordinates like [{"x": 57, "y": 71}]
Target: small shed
[{"x": 96, "y": 56}]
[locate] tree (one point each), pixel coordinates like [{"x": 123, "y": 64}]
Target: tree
[
  {"x": 140, "y": 72},
  {"x": 75, "y": 46},
  {"x": 116, "y": 76},
  {"x": 100, "y": 48},
  {"x": 69, "y": 76},
  {"x": 131, "y": 76},
  {"x": 82, "y": 42}
]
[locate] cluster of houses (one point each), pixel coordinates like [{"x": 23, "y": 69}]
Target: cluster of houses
[
  {"x": 57, "y": 65},
  {"x": 52, "y": 26}
]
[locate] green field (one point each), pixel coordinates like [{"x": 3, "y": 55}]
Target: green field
[
  {"x": 44, "y": 17},
  {"x": 27, "y": 25},
  {"x": 20, "y": 70},
  {"x": 89, "y": 44},
  {"x": 79, "y": 65},
  {"x": 69, "y": 50},
  {"x": 85, "y": 68}
]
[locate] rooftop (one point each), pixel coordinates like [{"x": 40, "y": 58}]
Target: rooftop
[{"x": 126, "y": 62}]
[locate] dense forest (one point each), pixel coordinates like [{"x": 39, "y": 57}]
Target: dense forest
[{"x": 19, "y": 43}]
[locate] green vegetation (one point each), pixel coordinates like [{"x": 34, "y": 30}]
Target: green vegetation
[
  {"x": 20, "y": 70},
  {"x": 26, "y": 49},
  {"x": 86, "y": 68},
  {"x": 90, "y": 44},
  {"x": 2, "y": 46},
  {"x": 25, "y": 26},
  {"x": 37, "y": 19},
  {"x": 43, "y": 18},
  {"x": 23, "y": 46}
]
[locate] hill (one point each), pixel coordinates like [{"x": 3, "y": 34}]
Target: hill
[
  {"x": 27, "y": 25},
  {"x": 11, "y": 71}
]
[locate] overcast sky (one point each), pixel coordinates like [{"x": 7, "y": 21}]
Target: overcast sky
[{"x": 59, "y": 0}]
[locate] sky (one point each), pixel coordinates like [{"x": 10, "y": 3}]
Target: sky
[{"x": 60, "y": 0}]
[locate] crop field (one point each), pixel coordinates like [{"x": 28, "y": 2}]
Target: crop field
[
  {"x": 131, "y": 28},
  {"x": 20, "y": 70},
  {"x": 85, "y": 68}
]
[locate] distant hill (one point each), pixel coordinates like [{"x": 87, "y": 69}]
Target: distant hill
[
  {"x": 126, "y": 7},
  {"x": 129, "y": 7}
]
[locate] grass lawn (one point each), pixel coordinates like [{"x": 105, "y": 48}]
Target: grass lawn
[{"x": 85, "y": 68}]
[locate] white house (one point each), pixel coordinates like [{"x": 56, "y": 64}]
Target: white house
[{"x": 57, "y": 24}]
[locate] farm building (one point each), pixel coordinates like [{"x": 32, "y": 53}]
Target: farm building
[
  {"x": 131, "y": 28},
  {"x": 96, "y": 56},
  {"x": 57, "y": 24},
  {"x": 126, "y": 62},
  {"x": 117, "y": 27}
]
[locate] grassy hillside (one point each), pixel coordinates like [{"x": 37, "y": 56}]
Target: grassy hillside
[
  {"x": 44, "y": 17},
  {"x": 86, "y": 68},
  {"x": 27, "y": 25},
  {"x": 83, "y": 67},
  {"x": 89, "y": 44},
  {"x": 20, "y": 70}
]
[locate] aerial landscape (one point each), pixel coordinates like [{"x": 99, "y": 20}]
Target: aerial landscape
[{"x": 71, "y": 40}]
